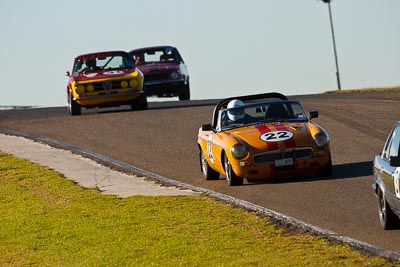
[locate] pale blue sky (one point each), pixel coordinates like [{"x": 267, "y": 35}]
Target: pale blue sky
[{"x": 230, "y": 47}]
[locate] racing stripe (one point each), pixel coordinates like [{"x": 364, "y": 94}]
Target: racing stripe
[
  {"x": 290, "y": 143},
  {"x": 264, "y": 129}
]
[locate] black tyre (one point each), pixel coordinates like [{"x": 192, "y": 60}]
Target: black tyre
[
  {"x": 327, "y": 170},
  {"x": 208, "y": 172},
  {"x": 231, "y": 178},
  {"x": 73, "y": 107},
  {"x": 140, "y": 103},
  {"x": 185, "y": 93},
  {"x": 387, "y": 218}
]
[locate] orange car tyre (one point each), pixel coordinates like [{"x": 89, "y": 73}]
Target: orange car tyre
[
  {"x": 387, "y": 218},
  {"x": 231, "y": 178},
  {"x": 208, "y": 172},
  {"x": 327, "y": 170}
]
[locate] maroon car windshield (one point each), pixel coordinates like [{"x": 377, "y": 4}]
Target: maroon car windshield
[{"x": 155, "y": 56}]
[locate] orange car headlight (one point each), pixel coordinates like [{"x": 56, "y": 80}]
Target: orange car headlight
[
  {"x": 134, "y": 83},
  {"x": 321, "y": 139},
  {"x": 239, "y": 151}
]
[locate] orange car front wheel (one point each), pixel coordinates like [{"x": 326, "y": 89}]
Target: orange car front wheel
[{"x": 231, "y": 178}]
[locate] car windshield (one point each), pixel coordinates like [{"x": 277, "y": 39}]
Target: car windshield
[
  {"x": 161, "y": 55},
  {"x": 102, "y": 61},
  {"x": 261, "y": 113}
]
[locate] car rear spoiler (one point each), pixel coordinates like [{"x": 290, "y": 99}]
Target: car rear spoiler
[{"x": 224, "y": 103}]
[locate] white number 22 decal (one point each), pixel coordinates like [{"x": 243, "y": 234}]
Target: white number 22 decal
[
  {"x": 276, "y": 136},
  {"x": 209, "y": 148}
]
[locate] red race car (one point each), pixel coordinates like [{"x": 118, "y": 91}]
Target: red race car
[{"x": 105, "y": 79}]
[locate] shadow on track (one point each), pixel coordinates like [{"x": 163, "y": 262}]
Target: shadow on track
[
  {"x": 156, "y": 106},
  {"x": 352, "y": 170},
  {"x": 183, "y": 104},
  {"x": 45, "y": 112},
  {"x": 340, "y": 171}
]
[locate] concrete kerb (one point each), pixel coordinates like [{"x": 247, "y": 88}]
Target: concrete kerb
[
  {"x": 87, "y": 170},
  {"x": 279, "y": 218}
]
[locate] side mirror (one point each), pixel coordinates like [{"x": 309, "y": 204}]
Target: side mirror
[
  {"x": 68, "y": 74},
  {"x": 206, "y": 127},
  {"x": 314, "y": 114},
  {"x": 394, "y": 161}
]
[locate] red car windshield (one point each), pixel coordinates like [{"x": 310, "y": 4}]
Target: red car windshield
[{"x": 102, "y": 61}]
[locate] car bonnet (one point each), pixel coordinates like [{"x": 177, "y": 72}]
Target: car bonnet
[
  {"x": 103, "y": 74},
  {"x": 274, "y": 136},
  {"x": 158, "y": 67}
]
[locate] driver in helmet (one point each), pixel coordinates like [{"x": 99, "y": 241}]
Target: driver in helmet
[
  {"x": 90, "y": 65},
  {"x": 235, "y": 112}
]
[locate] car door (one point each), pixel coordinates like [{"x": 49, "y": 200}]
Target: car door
[
  {"x": 380, "y": 160},
  {"x": 390, "y": 174},
  {"x": 211, "y": 150}
]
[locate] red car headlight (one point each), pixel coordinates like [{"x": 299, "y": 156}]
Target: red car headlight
[
  {"x": 134, "y": 83},
  {"x": 90, "y": 88},
  {"x": 80, "y": 89}
]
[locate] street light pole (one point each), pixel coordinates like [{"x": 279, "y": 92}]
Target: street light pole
[{"x": 334, "y": 43}]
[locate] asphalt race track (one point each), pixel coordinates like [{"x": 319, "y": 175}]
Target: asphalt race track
[{"x": 163, "y": 140}]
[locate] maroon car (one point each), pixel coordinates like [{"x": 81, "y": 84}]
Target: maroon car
[{"x": 165, "y": 72}]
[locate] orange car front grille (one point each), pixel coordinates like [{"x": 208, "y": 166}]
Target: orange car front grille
[{"x": 270, "y": 157}]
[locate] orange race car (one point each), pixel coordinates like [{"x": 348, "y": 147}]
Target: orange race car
[
  {"x": 105, "y": 79},
  {"x": 265, "y": 136}
]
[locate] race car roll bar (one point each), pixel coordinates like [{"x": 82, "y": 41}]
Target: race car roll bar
[{"x": 223, "y": 103}]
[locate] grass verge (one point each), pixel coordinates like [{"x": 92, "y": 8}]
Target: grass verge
[
  {"x": 372, "y": 89},
  {"x": 47, "y": 220}
]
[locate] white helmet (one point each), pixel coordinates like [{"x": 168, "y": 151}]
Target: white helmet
[{"x": 237, "y": 113}]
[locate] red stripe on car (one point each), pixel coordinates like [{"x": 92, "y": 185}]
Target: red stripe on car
[
  {"x": 290, "y": 143},
  {"x": 264, "y": 129}
]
